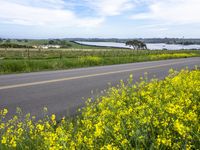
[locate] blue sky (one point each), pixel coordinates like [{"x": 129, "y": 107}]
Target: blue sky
[{"x": 99, "y": 18}]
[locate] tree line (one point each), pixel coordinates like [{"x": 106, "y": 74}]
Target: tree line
[
  {"x": 62, "y": 43},
  {"x": 13, "y": 45}
]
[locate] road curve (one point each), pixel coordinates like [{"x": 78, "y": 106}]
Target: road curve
[{"x": 62, "y": 92}]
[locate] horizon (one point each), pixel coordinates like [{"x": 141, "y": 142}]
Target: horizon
[
  {"x": 103, "y": 19},
  {"x": 91, "y": 38}
]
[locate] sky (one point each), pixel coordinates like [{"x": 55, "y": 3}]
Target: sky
[{"x": 99, "y": 18}]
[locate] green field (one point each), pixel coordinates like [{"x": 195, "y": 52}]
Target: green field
[
  {"x": 73, "y": 55},
  {"x": 29, "y": 60},
  {"x": 156, "y": 114}
]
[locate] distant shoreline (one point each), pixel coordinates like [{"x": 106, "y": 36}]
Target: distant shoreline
[{"x": 150, "y": 46}]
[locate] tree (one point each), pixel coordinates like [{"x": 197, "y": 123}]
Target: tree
[
  {"x": 51, "y": 42},
  {"x": 8, "y": 41},
  {"x": 136, "y": 44},
  {"x": 18, "y": 40},
  {"x": 13, "y": 45}
]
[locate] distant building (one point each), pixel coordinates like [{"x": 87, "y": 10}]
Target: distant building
[
  {"x": 49, "y": 46},
  {"x": 35, "y": 46},
  {"x": 44, "y": 46}
]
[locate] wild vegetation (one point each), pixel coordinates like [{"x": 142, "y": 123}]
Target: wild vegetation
[
  {"x": 13, "y": 45},
  {"x": 28, "y": 60},
  {"x": 156, "y": 114}
]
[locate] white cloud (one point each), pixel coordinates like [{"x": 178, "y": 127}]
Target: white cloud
[
  {"x": 154, "y": 26},
  {"x": 49, "y": 3},
  {"x": 22, "y": 14},
  {"x": 81, "y": 17},
  {"x": 174, "y": 11},
  {"x": 110, "y": 7},
  {"x": 40, "y": 3}
]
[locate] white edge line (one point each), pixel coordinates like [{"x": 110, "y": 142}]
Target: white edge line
[{"x": 84, "y": 76}]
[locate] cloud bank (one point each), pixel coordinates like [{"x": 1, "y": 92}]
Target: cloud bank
[
  {"x": 51, "y": 15},
  {"x": 105, "y": 17},
  {"x": 174, "y": 11}
]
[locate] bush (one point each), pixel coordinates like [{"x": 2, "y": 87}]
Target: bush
[
  {"x": 12, "y": 45},
  {"x": 147, "y": 115},
  {"x": 90, "y": 60}
]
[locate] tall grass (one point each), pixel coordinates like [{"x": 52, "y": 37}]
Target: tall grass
[
  {"x": 24, "y": 61},
  {"x": 147, "y": 115}
]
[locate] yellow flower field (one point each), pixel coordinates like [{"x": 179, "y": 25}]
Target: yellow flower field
[{"x": 146, "y": 115}]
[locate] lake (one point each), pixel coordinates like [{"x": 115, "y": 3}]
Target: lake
[{"x": 156, "y": 46}]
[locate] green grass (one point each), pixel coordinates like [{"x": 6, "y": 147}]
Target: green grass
[{"x": 17, "y": 61}]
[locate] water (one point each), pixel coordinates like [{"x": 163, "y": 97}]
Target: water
[{"x": 156, "y": 46}]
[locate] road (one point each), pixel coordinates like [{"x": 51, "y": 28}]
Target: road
[{"x": 62, "y": 92}]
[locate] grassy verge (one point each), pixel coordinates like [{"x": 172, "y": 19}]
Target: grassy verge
[
  {"x": 30, "y": 61},
  {"x": 147, "y": 115}
]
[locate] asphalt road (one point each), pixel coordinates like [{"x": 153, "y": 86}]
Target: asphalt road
[{"x": 62, "y": 92}]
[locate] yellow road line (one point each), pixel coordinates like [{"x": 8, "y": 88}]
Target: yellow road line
[{"x": 84, "y": 76}]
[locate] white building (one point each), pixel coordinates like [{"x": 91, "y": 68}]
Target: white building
[{"x": 49, "y": 46}]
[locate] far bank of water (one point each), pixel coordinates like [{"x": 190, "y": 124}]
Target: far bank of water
[{"x": 154, "y": 46}]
